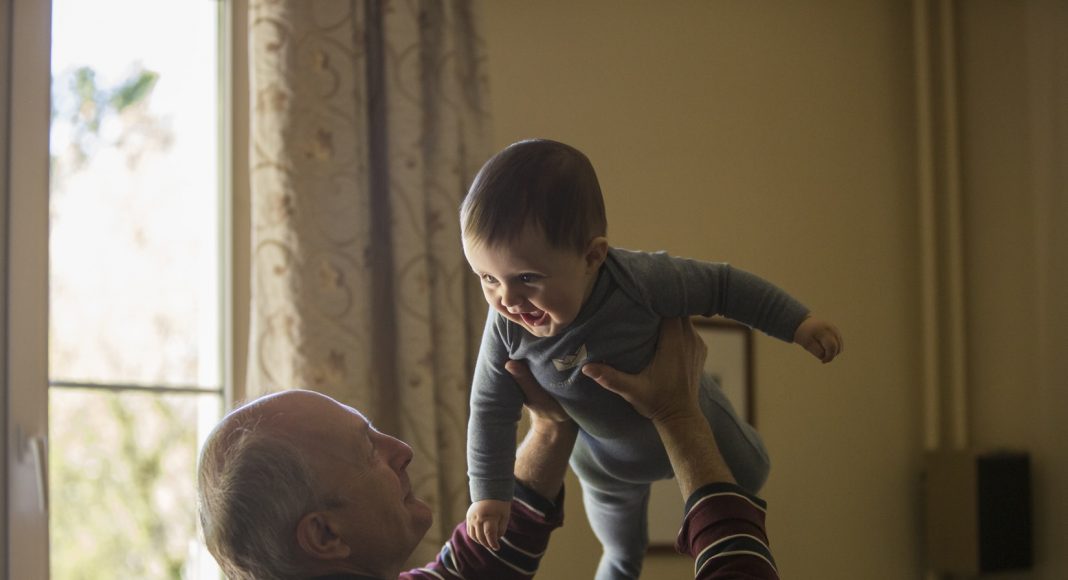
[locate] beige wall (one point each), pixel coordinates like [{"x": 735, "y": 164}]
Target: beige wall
[
  {"x": 781, "y": 137},
  {"x": 1014, "y": 123}
]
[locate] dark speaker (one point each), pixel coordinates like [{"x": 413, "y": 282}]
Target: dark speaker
[
  {"x": 1004, "y": 481},
  {"x": 978, "y": 511}
]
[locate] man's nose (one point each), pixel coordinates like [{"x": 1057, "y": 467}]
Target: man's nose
[{"x": 401, "y": 453}]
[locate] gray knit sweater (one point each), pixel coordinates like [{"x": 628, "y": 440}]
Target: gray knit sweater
[{"x": 618, "y": 325}]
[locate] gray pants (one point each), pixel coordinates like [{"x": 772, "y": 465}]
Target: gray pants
[{"x": 616, "y": 503}]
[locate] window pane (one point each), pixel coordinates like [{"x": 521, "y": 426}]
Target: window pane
[
  {"x": 122, "y": 468},
  {"x": 134, "y": 200}
]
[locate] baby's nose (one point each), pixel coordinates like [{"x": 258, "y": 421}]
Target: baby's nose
[{"x": 511, "y": 299}]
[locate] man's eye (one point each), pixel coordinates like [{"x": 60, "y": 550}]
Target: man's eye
[
  {"x": 529, "y": 278},
  {"x": 486, "y": 278}
]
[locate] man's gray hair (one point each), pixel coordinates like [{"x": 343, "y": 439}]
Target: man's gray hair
[{"x": 253, "y": 487}]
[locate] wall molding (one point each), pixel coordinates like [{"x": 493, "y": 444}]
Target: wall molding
[{"x": 943, "y": 292}]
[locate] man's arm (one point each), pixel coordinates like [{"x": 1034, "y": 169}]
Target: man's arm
[
  {"x": 532, "y": 521},
  {"x": 541, "y": 460},
  {"x": 537, "y": 508},
  {"x": 666, "y": 393},
  {"x": 724, "y": 526}
]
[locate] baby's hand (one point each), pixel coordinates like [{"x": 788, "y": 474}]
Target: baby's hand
[
  {"x": 487, "y": 520},
  {"x": 820, "y": 337}
]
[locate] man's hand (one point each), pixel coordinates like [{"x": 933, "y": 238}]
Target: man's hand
[
  {"x": 668, "y": 386},
  {"x": 543, "y": 408},
  {"x": 487, "y": 520},
  {"x": 819, "y": 337},
  {"x": 666, "y": 392}
]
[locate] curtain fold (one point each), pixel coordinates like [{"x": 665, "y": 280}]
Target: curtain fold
[{"x": 368, "y": 122}]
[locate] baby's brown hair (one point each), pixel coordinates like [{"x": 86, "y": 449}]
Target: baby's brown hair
[{"x": 540, "y": 183}]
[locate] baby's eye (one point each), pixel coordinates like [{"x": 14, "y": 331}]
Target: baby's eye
[
  {"x": 529, "y": 278},
  {"x": 487, "y": 279}
]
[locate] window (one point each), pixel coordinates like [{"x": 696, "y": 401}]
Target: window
[{"x": 137, "y": 333}]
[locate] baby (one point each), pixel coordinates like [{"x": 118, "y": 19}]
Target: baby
[{"x": 534, "y": 227}]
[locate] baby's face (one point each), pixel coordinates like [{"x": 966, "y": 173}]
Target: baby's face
[{"x": 533, "y": 284}]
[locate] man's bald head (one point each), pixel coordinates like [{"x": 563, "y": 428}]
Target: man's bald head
[
  {"x": 296, "y": 484},
  {"x": 255, "y": 481}
]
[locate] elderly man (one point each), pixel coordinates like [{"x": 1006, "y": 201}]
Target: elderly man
[{"x": 297, "y": 485}]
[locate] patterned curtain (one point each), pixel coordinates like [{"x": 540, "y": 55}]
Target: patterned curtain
[{"x": 367, "y": 126}]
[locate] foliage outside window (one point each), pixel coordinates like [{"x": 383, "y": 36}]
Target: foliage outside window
[{"x": 135, "y": 317}]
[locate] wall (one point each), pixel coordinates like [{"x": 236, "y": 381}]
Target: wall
[
  {"x": 779, "y": 137},
  {"x": 1013, "y": 61}
]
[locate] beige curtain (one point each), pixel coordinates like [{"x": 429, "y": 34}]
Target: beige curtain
[{"x": 367, "y": 126}]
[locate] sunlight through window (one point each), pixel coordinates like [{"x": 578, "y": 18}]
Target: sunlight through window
[{"x": 135, "y": 345}]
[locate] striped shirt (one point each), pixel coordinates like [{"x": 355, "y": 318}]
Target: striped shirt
[
  {"x": 724, "y": 533},
  {"x": 532, "y": 520}
]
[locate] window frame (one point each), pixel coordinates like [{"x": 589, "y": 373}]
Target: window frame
[
  {"x": 25, "y": 116},
  {"x": 5, "y": 65},
  {"x": 26, "y": 287}
]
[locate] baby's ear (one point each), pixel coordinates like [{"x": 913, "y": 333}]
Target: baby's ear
[{"x": 596, "y": 253}]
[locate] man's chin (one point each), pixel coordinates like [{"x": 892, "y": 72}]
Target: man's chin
[
  {"x": 424, "y": 522},
  {"x": 420, "y": 509}
]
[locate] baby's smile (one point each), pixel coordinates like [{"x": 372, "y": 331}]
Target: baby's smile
[{"x": 535, "y": 318}]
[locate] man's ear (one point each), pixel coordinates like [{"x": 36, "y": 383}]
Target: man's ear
[
  {"x": 318, "y": 537},
  {"x": 596, "y": 253}
]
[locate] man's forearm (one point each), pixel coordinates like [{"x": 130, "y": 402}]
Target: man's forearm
[
  {"x": 693, "y": 452},
  {"x": 541, "y": 460},
  {"x": 532, "y": 521}
]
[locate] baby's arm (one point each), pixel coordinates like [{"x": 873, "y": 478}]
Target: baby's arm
[
  {"x": 541, "y": 461},
  {"x": 676, "y": 287},
  {"x": 819, "y": 337},
  {"x": 496, "y": 403},
  {"x": 682, "y": 287}
]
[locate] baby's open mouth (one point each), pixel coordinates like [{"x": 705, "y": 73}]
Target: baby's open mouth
[{"x": 535, "y": 318}]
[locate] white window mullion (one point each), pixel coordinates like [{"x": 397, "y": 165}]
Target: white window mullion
[
  {"x": 26, "y": 282},
  {"x": 5, "y": 81}
]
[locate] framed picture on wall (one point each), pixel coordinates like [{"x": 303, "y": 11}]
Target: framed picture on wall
[{"x": 730, "y": 363}]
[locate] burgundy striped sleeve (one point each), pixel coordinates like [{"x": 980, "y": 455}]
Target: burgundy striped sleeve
[
  {"x": 532, "y": 520},
  {"x": 724, "y": 533}
]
